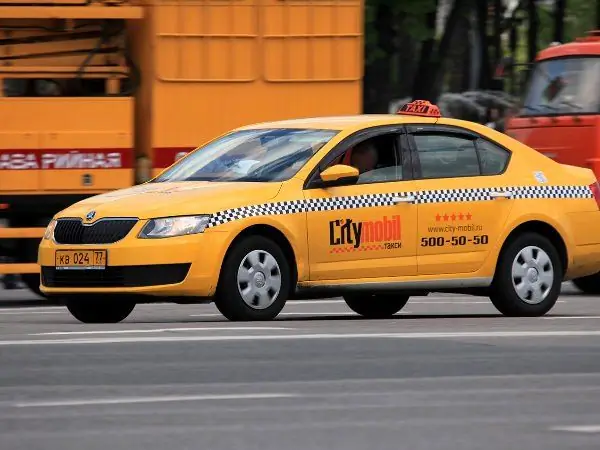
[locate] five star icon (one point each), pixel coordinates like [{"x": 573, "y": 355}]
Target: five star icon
[{"x": 453, "y": 217}]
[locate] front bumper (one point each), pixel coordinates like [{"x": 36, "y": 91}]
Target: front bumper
[{"x": 178, "y": 266}]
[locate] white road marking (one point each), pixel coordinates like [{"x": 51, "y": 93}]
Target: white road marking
[
  {"x": 160, "y": 399},
  {"x": 579, "y": 428},
  {"x": 245, "y": 337},
  {"x": 313, "y": 302},
  {"x": 33, "y": 308},
  {"x": 207, "y": 315},
  {"x": 445, "y": 302},
  {"x": 571, "y": 317},
  {"x": 307, "y": 313},
  {"x": 155, "y": 330}
]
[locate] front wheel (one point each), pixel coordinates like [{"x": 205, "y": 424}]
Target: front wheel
[
  {"x": 32, "y": 281},
  {"x": 255, "y": 282},
  {"x": 588, "y": 285},
  {"x": 99, "y": 310},
  {"x": 376, "y": 306},
  {"x": 528, "y": 277}
]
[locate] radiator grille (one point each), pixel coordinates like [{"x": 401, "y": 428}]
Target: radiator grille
[{"x": 106, "y": 231}]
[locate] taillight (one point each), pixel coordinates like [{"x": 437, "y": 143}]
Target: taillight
[{"x": 595, "y": 188}]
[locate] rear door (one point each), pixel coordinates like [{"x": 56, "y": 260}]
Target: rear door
[{"x": 462, "y": 205}]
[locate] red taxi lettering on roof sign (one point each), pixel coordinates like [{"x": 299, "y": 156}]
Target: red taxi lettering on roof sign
[{"x": 420, "y": 108}]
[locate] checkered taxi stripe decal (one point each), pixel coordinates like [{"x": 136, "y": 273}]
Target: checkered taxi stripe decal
[{"x": 374, "y": 200}]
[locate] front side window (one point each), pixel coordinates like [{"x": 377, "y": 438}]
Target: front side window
[
  {"x": 375, "y": 158},
  {"x": 563, "y": 86},
  {"x": 444, "y": 156},
  {"x": 259, "y": 155}
]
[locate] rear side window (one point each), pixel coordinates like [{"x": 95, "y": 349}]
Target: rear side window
[
  {"x": 446, "y": 156},
  {"x": 493, "y": 159}
]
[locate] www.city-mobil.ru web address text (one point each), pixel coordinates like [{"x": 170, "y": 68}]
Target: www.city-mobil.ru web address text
[{"x": 454, "y": 228}]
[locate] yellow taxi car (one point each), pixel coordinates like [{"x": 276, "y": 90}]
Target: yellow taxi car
[{"x": 375, "y": 208}]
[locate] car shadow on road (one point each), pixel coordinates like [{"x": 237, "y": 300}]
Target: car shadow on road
[
  {"x": 336, "y": 318},
  {"x": 320, "y": 318}
]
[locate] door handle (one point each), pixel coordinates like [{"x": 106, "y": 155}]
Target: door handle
[
  {"x": 407, "y": 199},
  {"x": 501, "y": 194}
]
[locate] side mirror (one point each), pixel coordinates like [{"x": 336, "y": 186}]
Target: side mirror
[{"x": 339, "y": 175}]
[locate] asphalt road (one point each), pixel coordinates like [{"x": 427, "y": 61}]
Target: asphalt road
[{"x": 448, "y": 373}]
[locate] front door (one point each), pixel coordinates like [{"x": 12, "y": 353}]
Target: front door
[
  {"x": 368, "y": 229},
  {"x": 462, "y": 207}
]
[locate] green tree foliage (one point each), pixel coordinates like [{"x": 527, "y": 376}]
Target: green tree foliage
[
  {"x": 408, "y": 17},
  {"x": 580, "y": 17},
  {"x": 401, "y": 59}
]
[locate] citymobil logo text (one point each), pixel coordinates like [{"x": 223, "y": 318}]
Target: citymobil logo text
[{"x": 346, "y": 235}]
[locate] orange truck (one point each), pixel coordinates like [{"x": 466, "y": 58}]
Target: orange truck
[
  {"x": 560, "y": 114},
  {"x": 97, "y": 95}
]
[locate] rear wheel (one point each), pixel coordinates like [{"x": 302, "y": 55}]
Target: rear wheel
[
  {"x": 99, "y": 310},
  {"x": 528, "y": 277},
  {"x": 255, "y": 282},
  {"x": 376, "y": 306},
  {"x": 588, "y": 285}
]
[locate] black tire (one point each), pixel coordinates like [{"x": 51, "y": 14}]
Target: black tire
[
  {"x": 503, "y": 292},
  {"x": 588, "y": 285},
  {"x": 229, "y": 299},
  {"x": 32, "y": 281},
  {"x": 100, "y": 310},
  {"x": 376, "y": 306}
]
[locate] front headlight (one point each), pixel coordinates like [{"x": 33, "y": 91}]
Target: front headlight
[
  {"x": 49, "y": 233},
  {"x": 174, "y": 226}
]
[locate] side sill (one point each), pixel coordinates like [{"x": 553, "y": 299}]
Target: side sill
[{"x": 414, "y": 288}]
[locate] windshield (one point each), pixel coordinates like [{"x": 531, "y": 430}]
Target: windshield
[
  {"x": 563, "y": 86},
  {"x": 250, "y": 155}
]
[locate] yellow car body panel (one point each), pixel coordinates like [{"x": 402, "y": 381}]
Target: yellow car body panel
[{"x": 353, "y": 243}]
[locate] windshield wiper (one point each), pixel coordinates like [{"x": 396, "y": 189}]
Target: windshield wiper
[
  {"x": 571, "y": 104},
  {"x": 199, "y": 179},
  {"x": 253, "y": 179},
  {"x": 531, "y": 108}
]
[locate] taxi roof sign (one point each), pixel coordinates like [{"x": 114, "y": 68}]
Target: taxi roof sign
[{"x": 420, "y": 108}]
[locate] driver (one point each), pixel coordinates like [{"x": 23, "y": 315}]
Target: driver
[{"x": 364, "y": 157}]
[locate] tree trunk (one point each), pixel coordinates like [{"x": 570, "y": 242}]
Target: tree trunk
[
  {"x": 422, "y": 77},
  {"x": 437, "y": 68},
  {"x": 559, "y": 20},
  {"x": 408, "y": 59},
  {"x": 482, "y": 16},
  {"x": 513, "y": 39},
  {"x": 377, "y": 80},
  {"x": 532, "y": 34},
  {"x": 498, "y": 10}
]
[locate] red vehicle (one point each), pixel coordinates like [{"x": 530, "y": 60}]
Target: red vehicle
[{"x": 560, "y": 116}]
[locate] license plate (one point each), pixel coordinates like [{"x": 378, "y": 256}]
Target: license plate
[{"x": 80, "y": 259}]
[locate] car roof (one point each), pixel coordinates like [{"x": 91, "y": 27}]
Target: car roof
[
  {"x": 357, "y": 122},
  {"x": 342, "y": 122}
]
